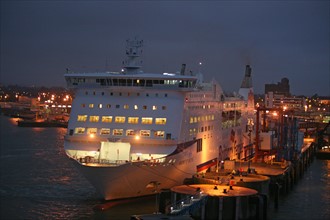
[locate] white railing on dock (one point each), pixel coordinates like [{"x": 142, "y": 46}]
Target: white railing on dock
[
  {"x": 187, "y": 204},
  {"x": 99, "y": 162},
  {"x": 91, "y": 160}
]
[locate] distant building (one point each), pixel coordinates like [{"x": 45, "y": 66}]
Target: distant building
[
  {"x": 279, "y": 96},
  {"x": 273, "y": 100},
  {"x": 282, "y": 88}
]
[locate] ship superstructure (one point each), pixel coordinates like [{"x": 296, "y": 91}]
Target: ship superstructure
[{"x": 132, "y": 132}]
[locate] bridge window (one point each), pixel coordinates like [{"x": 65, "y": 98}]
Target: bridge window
[
  {"x": 107, "y": 119},
  {"x": 94, "y": 118},
  {"x": 160, "y": 121},
  {"x": 159, "y": 134},
  {"x": 130, "y": 132},
  {"x": 118, "y": 132},
  {"x": 105, "y": 131},
  {"x": 79, "y": 130},
  {"x": 82, "y": 118},
  {"x": 146, "y": 120},
  {"x": 91, "y": 130},
  {"x": 145, "y": 133},
  {"x": 133, "y": 120},
  {"x": 120, "y": 119}
]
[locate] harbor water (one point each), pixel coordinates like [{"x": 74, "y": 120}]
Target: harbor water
[{"x": 38, "y": 181}]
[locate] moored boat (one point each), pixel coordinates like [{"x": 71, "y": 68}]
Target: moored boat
[{"x": 133, "y": 133}]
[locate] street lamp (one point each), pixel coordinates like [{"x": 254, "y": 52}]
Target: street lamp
[{"x": 250, "y": 126}]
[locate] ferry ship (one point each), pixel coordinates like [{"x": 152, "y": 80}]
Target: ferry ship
[{"x": 133, "y": 133}]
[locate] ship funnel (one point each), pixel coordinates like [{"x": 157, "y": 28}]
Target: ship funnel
[
  {"x": 247, "y": 80},
  {"x": 246, "y": 88},
  {"x": 248, "y": 71},
  {"x": 183, "y": 69}
]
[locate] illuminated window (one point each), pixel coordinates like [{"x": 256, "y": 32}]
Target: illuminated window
[
  {"x": 105, "y": 131},
  {"x": 160, "y": 121},
  {"x": 146, "y": 120},
  {"x": 154, "y": 107},
  {"x": 120, "y": 119},
  {"x": 91, "y": 105},
  {"x": 136, "y": 107},
  {"x": 94, "y": 118},
  {"x": 82, "y": 118},
  {"x": 118, "y": 132},
  {"x": 107, "y": 119},
  {"x": 91, "y": 130},
  {"x": 145, "y": 133},
  {"x": 159, "y": 134},
  {"x": 126, "y": 107},
  {"x": 79, "y": 130},
  {"x": 191, "y": 120},
  {"x": 133, "y": 120},
  {"x": 100, "y": 105},
  {"x": 130, "y": 132},
  {"x": 108, "y": 106}
]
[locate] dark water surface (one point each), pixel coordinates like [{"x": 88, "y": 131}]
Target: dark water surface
[{"x": 38, "y": 181}]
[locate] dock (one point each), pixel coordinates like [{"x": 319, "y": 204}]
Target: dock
[{"x": 243, "y": 192}]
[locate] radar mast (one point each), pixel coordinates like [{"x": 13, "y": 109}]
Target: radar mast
[{"x": 133, "y": 52}]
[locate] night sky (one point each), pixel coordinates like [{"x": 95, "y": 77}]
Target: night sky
[{"x": 40, "y": 39}]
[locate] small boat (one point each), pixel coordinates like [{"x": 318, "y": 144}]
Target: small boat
[{"x": 42, "y": 123}]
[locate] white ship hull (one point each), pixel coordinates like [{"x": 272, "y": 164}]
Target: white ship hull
[{"x": 134, "y": 179}]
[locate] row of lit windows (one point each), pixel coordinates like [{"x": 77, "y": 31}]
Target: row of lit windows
[
  {"x": 118, "y": 132},
  {"x": 231, "y": 123},
  {"x": 135, "y": 107},
  {"x": 128, "y": 94},
  {"x": 196, "y": 107},
  {"x": 193, "y": 95},
  {"x": 122, "y": 119},
  {"x": 201, "y": 118},
  {"x": 200, "y": 129},
  {"x": 233, "y": 105}
]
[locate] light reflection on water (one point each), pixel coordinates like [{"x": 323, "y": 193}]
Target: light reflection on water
[
  {"x": 38, "y": 181},
  {"x": 310, "y": 197}
]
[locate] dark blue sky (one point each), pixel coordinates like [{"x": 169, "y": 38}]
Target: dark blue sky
[{"x": 40, "y": 39}]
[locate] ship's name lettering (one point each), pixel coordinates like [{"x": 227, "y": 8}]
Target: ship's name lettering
[{"x": 186, "y": 161}]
